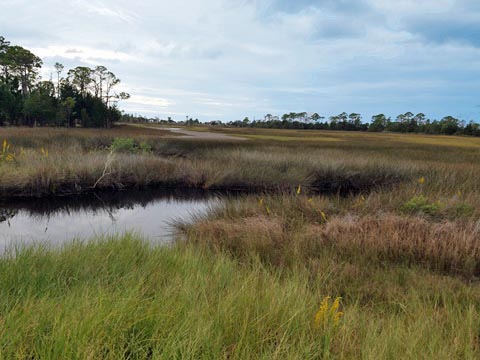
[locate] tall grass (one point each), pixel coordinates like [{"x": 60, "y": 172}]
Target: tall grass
[
  {"x": 286, "y": 230},
  {"x": 122, "y": 298},
  {"x": 78, "y": 162}
]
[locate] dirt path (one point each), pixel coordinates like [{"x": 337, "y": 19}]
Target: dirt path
[
  {"x": 198, "y": 135},
  {"x": 204, "y": 135}
]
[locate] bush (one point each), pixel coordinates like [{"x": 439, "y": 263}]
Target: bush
[
  {"x": 420, "y": 204},
  {"x": 128, "y": 145},
  {"x": 123, "y": 145}
]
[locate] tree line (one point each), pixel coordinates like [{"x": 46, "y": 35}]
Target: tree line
[
  {"x": 81, "y": 96},
  {"x": 403, "y": 123}
]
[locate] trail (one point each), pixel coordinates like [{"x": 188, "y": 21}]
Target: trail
[{"x": 197, "y": 135}]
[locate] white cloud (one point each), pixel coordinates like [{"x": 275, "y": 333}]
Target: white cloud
[
  {"x": 146, "y": 100},
  {"x": 236, "y": 58}
]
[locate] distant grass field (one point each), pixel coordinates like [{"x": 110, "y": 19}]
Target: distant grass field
[
  {"x": 80, "y": 160},
  {"x": 386, "y": 222}
]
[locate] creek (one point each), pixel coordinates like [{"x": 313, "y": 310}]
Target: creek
[{"x": 60, "y": 219}]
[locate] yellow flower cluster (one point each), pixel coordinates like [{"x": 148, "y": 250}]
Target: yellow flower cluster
[
  {"x": 44, "y": 152},
  {"x": 329, "y": 313},
  {"x": 6, "y": 155}
]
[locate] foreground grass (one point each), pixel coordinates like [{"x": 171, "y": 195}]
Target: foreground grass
[{"x": 123, "y": 298}]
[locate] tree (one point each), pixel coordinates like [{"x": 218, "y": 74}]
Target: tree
[
  {"x": 65, "y": 112},
  {"x": 302, "y": 116},
  {"x": 4, "y": 44},
  {"x": 472, "y": 128},
  {"x": 39, "y": 107},
  {"x": 58, "y": 69},
  {"x": 99, "y": 77},
  {"x": 315, "y": 117},
  {"x": 3, "y": 59},
  {"x": 80, "y": 78},
  {"x": 449, "y": 125},
  {"x": 24, "y": 65},
  {"x": 355, "y": 121},
  {"x": 379, "y": 123},
  {"x": 8, "y": 104},
  {"x": 110, "y": 82},
  {"x": 339, "y": 122}
]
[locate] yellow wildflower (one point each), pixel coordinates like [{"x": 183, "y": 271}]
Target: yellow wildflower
[
  {"x": 44, "y": 151},
  {"x": 337, "y": 317},
  {"x": 421, "y": 180},
  {"x": 336, "y": 304},
  {"x": 328, "y": 314},
  {"x": 322, "y": 311},
  {"x": 324, "y": 217}
]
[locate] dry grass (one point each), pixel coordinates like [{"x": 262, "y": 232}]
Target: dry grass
[
  {"x": 294, "y": 229},
  {"x": 77, "y": 159}
]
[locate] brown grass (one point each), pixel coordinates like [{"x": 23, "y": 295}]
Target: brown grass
[{"x": 288, "y": 229}]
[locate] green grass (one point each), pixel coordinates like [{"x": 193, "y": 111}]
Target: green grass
[{"x": 123, "y": 298}]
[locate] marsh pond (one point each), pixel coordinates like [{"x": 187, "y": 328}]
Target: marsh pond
[{"x": 56, "y": 220}]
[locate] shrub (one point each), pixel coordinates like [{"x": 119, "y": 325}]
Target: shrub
[
  {"x": 420, "y": 204},
  {"x": 128, "y": 145},
  {"x": 145, "y": 147},
  {"x": 123, "y": 145}
]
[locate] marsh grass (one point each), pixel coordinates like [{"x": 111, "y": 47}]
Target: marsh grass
[
  {"x": 77, "y": 160},
  {"x": 121, "y": 297},
  {"x": 389, "y": 223},
  {"x": 358, "y": 163}
]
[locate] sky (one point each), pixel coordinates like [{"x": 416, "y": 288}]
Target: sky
[{"x": 227, "y": 59}]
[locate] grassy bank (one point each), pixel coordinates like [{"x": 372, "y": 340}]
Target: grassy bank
[
  {"x": 121, "y": 298},
  {"x": 55, "y": 162}
]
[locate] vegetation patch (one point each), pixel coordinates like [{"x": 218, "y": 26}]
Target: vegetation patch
[
  {"x": 129, "y": 145},
  {"x": 420, "y": 204}
]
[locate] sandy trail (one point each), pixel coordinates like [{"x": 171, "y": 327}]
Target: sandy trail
[
  {"x": 198, "y": 135},
  {"x": 204, "y": 135}
]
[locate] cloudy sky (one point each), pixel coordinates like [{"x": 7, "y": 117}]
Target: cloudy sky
[{"x": 227, "y": 59}]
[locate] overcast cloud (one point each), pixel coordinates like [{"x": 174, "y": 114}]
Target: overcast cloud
[{"x": 226, "y": 59}]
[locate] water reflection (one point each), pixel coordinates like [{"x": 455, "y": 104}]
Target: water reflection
[{"x": 56, "y": 220}]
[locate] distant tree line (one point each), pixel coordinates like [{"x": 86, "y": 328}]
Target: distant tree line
[
  {"x": 83, "y": 97},
  {"x": 403, "y": 123}
]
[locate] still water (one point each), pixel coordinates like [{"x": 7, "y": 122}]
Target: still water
[{"x": 57, "y": 220}]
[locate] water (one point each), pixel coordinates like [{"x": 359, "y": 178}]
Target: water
[{"x": 58, "y": 220}]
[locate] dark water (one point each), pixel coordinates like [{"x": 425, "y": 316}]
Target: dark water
[{"x": 57, "y": 220}]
